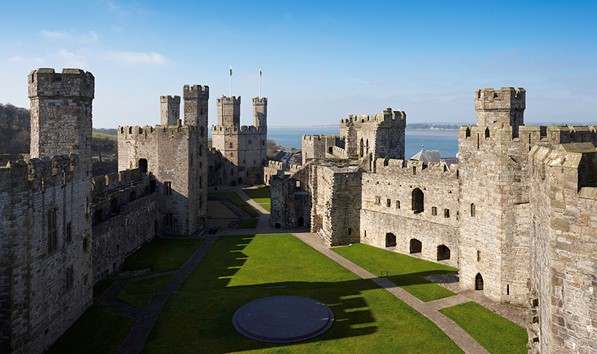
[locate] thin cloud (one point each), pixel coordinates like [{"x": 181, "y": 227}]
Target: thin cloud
[
  {"x": 85, "y": 38},
  {"x": 129, "y": 58},
  {"x": 72, "y": 59}
]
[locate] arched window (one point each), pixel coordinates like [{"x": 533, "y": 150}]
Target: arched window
[
  {"x": 486, "y": 133},
  {"x": 390, "y": 240},
  {"x": 478, "y": 282},
  {"x": 467, "y": 132},
  {"x": 418, "y": 201},
  {"x": 473, "y": 211},
  {"x": 415, "y": 246},
  {"x": 443, "y": 252}
]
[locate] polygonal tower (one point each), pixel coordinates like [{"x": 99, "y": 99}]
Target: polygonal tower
[
  {"x": 260, "y": 112},
  {"x": 196, "y": 98},
  {"x": 501, "y": 108},
  {"x": 61, "y": 113},
  {"x": 169, "y": 110},
  {"x": 229, "y": 111}
]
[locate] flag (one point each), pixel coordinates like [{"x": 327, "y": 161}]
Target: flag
[
  {"x": 230, "y": 71},
  {"x": 260, "y": 73}
]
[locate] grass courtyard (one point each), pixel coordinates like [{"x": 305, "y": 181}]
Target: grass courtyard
[
  {"x": 240, "y": 269},
  {"x": 404, "y": 271},
  {"x": 261, "y": 195},
  {"x": 249, "y": 222}
]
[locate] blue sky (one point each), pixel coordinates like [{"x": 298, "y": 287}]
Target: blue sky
[{"x": 321, "y": 60}]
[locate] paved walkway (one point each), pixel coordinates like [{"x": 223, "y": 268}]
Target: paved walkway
[
  {"x": 138, "y": 335},
  {"x": 452, "y": 330}
]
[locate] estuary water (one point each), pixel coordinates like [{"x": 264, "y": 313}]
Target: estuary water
[{"x": 446, "y": 141}]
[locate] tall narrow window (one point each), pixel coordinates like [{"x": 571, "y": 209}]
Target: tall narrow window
[
  {"x": 473, "y": 211},
  {"x": 168, "y": 188},
  {"x": 434, "y": 211},
  {"x": 446, "y": 213},
  {"x": 418, "y": 201},
  {"x": 52, "y": 231},
  {"x": 388, "y": 202},
  {"x": 397, "y": 204}
]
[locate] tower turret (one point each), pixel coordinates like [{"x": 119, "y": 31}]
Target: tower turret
[
  {"x": 169, "y": 109},
  {"x": 229, "y": 111},
  {"x": 504, "y": 107},
  {"x": 196, "y": 98},
  {"x": 61, "y": 106},
  {"x": 260, "y": 112}
]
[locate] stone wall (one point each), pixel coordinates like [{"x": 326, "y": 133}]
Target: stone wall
[
  {"x": 46, "y": 280},
  {"x": 125, "y": 216},
  {"x": 563, "y": 258},
  {"x": 291, "y": 199},
  {"x": 391, "y": 216}
]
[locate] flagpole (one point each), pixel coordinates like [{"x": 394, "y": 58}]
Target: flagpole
[
  {"x": 259, "y": 83},
  {"x": 230, "y": 93}
]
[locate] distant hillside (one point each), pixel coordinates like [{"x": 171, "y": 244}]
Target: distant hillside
[{"x": 14, "y": 137}]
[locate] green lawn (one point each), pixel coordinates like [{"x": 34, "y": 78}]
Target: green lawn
[
  {"x": 493, "y": 332},
  {"x": 138, "y": 292},
  {"x": 162, "y": 254},
  {"x": 240, "y": 269},
  {"x": 238, "y": 201},
  {"x": 404, "y": 271},
  {"x": 260, "y": 195},
  {"x": 100, "y": 330}
]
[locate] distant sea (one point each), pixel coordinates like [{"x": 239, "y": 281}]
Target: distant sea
[{"x": 446, "y": 141}]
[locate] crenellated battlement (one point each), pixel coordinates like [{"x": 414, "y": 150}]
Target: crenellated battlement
[
  {"x": 240, "y": 130},
  {"x": 416, "y": 168},
  {"x": 506, "y": 98},
  {"x": 228, "y": 100},
  {"x": 135, "y": 131},
  {"x": 387, "y": 116},
  {"x": 195, "y": 92},
  {"x": 531, "y": 134},
  {"x": 317, "y": 137},
  {"x": 170, "y": 99},
  {"x": 259, "y": 100},
  {"x": 45, "y": 82},
  {"x": 39, "y": 173},
  {"x": 116, "y": 180}
]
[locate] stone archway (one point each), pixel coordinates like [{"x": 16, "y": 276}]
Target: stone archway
[
  {"x": 443, "y": 252},
  {"x": 478, "y": 282},
  {"x": 390, "y": 240},
  {"x": 415, "y": 246}
]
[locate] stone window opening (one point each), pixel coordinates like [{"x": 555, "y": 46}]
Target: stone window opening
[
  {"x": 418, "y": 201},
  {"x": 377, "y": 200},
  {"x": 446, "y": 213},
  {"x": 389, "y": 203},
  {"x": 467, "y": 132},
  {"x": 297, "y": 184},
  {"x": 434, "y": 211},
  {"x": 390, "y": 240},
  {"x": 443, "y": 252},
  {"x": 415, "y": 246},
  {"x": 330, "y": 150},
  {"x": 349, "y": 231},
  {"x": 168, "y": 188},
  {"x": 85, "y": 244},
  {"x": 169, "y": 219},
  {"x": 473, "y": 210},
  {"x": 478, "y": 256},
  {"x": 143, "y": 165},
  {"x": 230, "y": 145},
  {"x": 70, "y": 277},
  {"x": 486, "y": 133},
  {"x": 478, "y": 140},
  {"x": 397, "y": 204},
  {"x": 69, "y": 232},
  {"x": 52, "y": 231},
  {"x": 414, "y": 170},
  {"x": 507, "y": 289},
  {"x": 478, "y": 282},
  {"x": 361, "y": 149}
]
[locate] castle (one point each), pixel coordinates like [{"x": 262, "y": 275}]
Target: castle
[{"x": 517, "y": 215}]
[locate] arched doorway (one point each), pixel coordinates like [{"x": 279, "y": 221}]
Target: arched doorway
[
  {"x": 390, "y": 240},
  {"x": 478, "y": 282},
  {"x": 415, "y": 246},
  {"x": 443, "y": 252}
]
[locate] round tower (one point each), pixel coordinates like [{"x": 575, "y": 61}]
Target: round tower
[
  {"x": 260, "y": 112},
  {"x": 229, "y": 111}
]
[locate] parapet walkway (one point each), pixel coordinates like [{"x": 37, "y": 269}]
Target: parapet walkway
[{"x": 449, "y": 327}]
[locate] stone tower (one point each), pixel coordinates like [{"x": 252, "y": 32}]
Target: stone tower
[
  {"x": 260, "y": 112},
  {"x": 196, "y": 98},
  {"x": 229, "y": 111},
  {"x": 170, "y": 110},
  {"x": 500, "y": 108},
  {"x": 61, "y": 113},
  {"x": 494, "y": 203}
]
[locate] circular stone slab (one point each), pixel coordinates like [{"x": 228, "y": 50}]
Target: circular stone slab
[{"x": 283, "y": 319}]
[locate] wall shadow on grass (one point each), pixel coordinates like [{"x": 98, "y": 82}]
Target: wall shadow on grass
[{"x": 199, "y": 314}]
